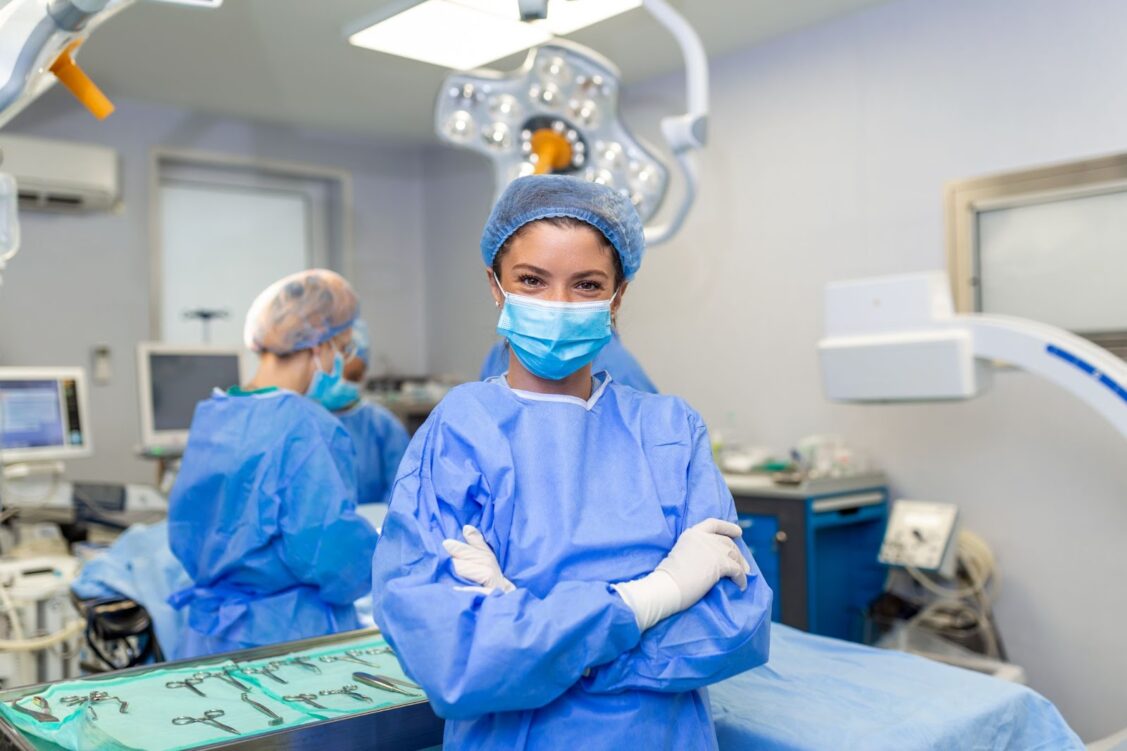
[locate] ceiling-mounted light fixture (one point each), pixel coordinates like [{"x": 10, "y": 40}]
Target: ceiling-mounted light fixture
[
  {"x": 558, "y": 113},
  {"x": 466, "y": 34}
]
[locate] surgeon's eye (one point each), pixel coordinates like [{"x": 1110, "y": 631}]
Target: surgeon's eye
[
  {"x": 529, "y": 280},
  {"x": 588, "y": 285}
]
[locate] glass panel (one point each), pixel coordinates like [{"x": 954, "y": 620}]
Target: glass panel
[{"x": 1062, "y": 262}]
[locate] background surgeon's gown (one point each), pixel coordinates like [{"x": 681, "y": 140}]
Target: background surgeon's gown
[
  {"x": 263, "y": 517},
  {"x": 571, "y": 495},
  {"x": 380, "y": 441}
]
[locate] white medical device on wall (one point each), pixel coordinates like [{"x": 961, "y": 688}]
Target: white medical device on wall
[
  {"x": 922, "y": 535},
  {"x": 558, "y": 113},
  {"x": 898, "y": 338}
]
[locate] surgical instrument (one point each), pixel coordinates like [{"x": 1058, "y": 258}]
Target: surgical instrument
[
  {"x": 349, "y": 690},
  {"x": 208, "y": 718},
  {"x": 275, "y": 718},
  {"x": 224, "y": 675},
  {"x": 307, "y": 698},
  {"x": 188, "y": 683},
  {"x": 43, "y": 714},
  {"x": 385, "y": 683}
]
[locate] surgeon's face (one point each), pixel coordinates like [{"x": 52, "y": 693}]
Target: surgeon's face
[{"x": 561, "y": 264}]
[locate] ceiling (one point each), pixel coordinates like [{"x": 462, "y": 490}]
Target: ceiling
[{"x": 287, "y": 61}]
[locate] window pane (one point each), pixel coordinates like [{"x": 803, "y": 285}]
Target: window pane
[{"x": 1063, "y": 262}]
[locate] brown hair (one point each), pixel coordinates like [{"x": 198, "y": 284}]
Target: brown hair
[{"x": 562, "y": 222}]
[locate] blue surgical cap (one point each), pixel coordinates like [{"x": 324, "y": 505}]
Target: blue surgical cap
[
  {"x": 300, "y": 311},
  {"x": 541, "y": 196},
  {"x": 360, "y": 341}
]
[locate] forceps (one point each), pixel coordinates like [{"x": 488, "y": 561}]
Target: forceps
[
  {"x": 349, "y": 690},
  {"x": 352, "y": 656},
  {"x": 385, "y": 683},
  {"x": 209, "y": 718},
  {"x": 267, "y": 670},
  {"x": 225, "y": 676},
  {"x": 189, "y": 683},
  {"x": 307, "y": 698}
]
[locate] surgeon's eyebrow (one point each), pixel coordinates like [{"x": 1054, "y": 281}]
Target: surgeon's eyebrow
[
  {"x": 531, "y": 269},
  {"x": 590, "y": 273}
]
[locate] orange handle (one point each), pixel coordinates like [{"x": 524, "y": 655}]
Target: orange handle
[
  {"x": 552, "y": 150},
  {"x": 79, "y": 84}
]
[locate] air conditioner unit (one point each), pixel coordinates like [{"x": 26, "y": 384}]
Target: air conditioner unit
[{"x": 61, "y": 175}]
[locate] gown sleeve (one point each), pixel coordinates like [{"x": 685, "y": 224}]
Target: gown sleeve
[
  {"x": 725, "y": 633},
  {"x": 325, "y": 543},
  {"x": 393, "y": 445},
  {"x": 476, "y": 653}
]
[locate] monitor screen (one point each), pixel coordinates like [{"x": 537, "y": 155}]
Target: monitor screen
[
  {"x": 180, "y": 380},
  {"x": 39, "y": 413}
]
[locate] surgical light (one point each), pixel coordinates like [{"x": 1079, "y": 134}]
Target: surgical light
[
  {"x": 547, "y": 117},
  {"x": 465, "y": 34},
  {"x": 558, "y": 113}
]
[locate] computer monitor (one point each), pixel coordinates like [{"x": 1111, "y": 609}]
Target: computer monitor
[
  {"x": 43, "y": 415},
  {"x": 172, "y": 380}
]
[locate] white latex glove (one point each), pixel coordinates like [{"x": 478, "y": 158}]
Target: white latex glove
[
  {"x": 703, "y": 555},
  {"x": 474, "y": 560}
]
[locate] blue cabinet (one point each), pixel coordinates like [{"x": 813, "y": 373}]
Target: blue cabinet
[{"x": 816, "y": 545}]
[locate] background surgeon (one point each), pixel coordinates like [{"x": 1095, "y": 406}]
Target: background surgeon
[
  {"x": 559, "y": 567},
  {"x": 263, "y": 513},
  {"x": 379, "y": 438}
]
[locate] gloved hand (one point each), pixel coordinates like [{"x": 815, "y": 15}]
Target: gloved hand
[
  {"x": 474, "y": 560},
  {"x": 703, "y": 555}
]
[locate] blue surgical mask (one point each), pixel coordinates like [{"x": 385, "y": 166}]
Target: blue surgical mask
[
  {"x": 331, "y": 390},
  {"x": 555, "y": 339}
]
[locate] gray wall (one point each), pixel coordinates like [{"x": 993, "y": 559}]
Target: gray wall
[
  {"x": 84, "y": 280},
  {"x": 829, "y": 153}
]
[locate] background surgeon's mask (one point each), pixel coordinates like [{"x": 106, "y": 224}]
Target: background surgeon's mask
[
  {"x": 555, "y": 339},
  {"x": 331, "y": 390}
]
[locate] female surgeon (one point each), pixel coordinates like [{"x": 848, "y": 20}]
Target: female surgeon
[
  {"x": 559, "y": 568},
  {"x": 263, "y": 512},
  {"x": 377, "y": 435}
]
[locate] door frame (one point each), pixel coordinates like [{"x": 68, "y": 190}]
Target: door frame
[{"x": 339, "y": 221}]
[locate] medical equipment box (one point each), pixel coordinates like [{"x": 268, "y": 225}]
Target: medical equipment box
[{"x": 816, "y": 545}]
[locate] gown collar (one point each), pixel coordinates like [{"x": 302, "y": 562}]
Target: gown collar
[{"x": 600, "y": 382}]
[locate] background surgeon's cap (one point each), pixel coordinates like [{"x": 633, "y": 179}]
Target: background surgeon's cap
[
  {"x": 541, "y": 196},
  {"x": 361, "y": 342},
  {"x": 299, "y": 312}
]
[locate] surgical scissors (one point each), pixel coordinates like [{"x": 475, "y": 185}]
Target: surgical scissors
[{"x": 208, "y": 718}]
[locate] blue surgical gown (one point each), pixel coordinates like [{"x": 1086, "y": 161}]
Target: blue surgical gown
[
  {"x": 613, "y": 358},
  {"x": 572, "y": 496},
  {"x": 263, "y": 517},
  {"x": 380, "y": 441}
]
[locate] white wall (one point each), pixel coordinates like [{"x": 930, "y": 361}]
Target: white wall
[
  {"x": 829, "y": 153},
  {"x": 84, "y": 280}
]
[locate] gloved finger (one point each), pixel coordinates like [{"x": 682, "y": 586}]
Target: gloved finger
[
  {"x": 475, "y": 538},
  {"x": 735, "y": 572},
  {"x": 457, "y": 549},
  {"x": 719, "y": 527},
  {"x": 728, "y": 546}
]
